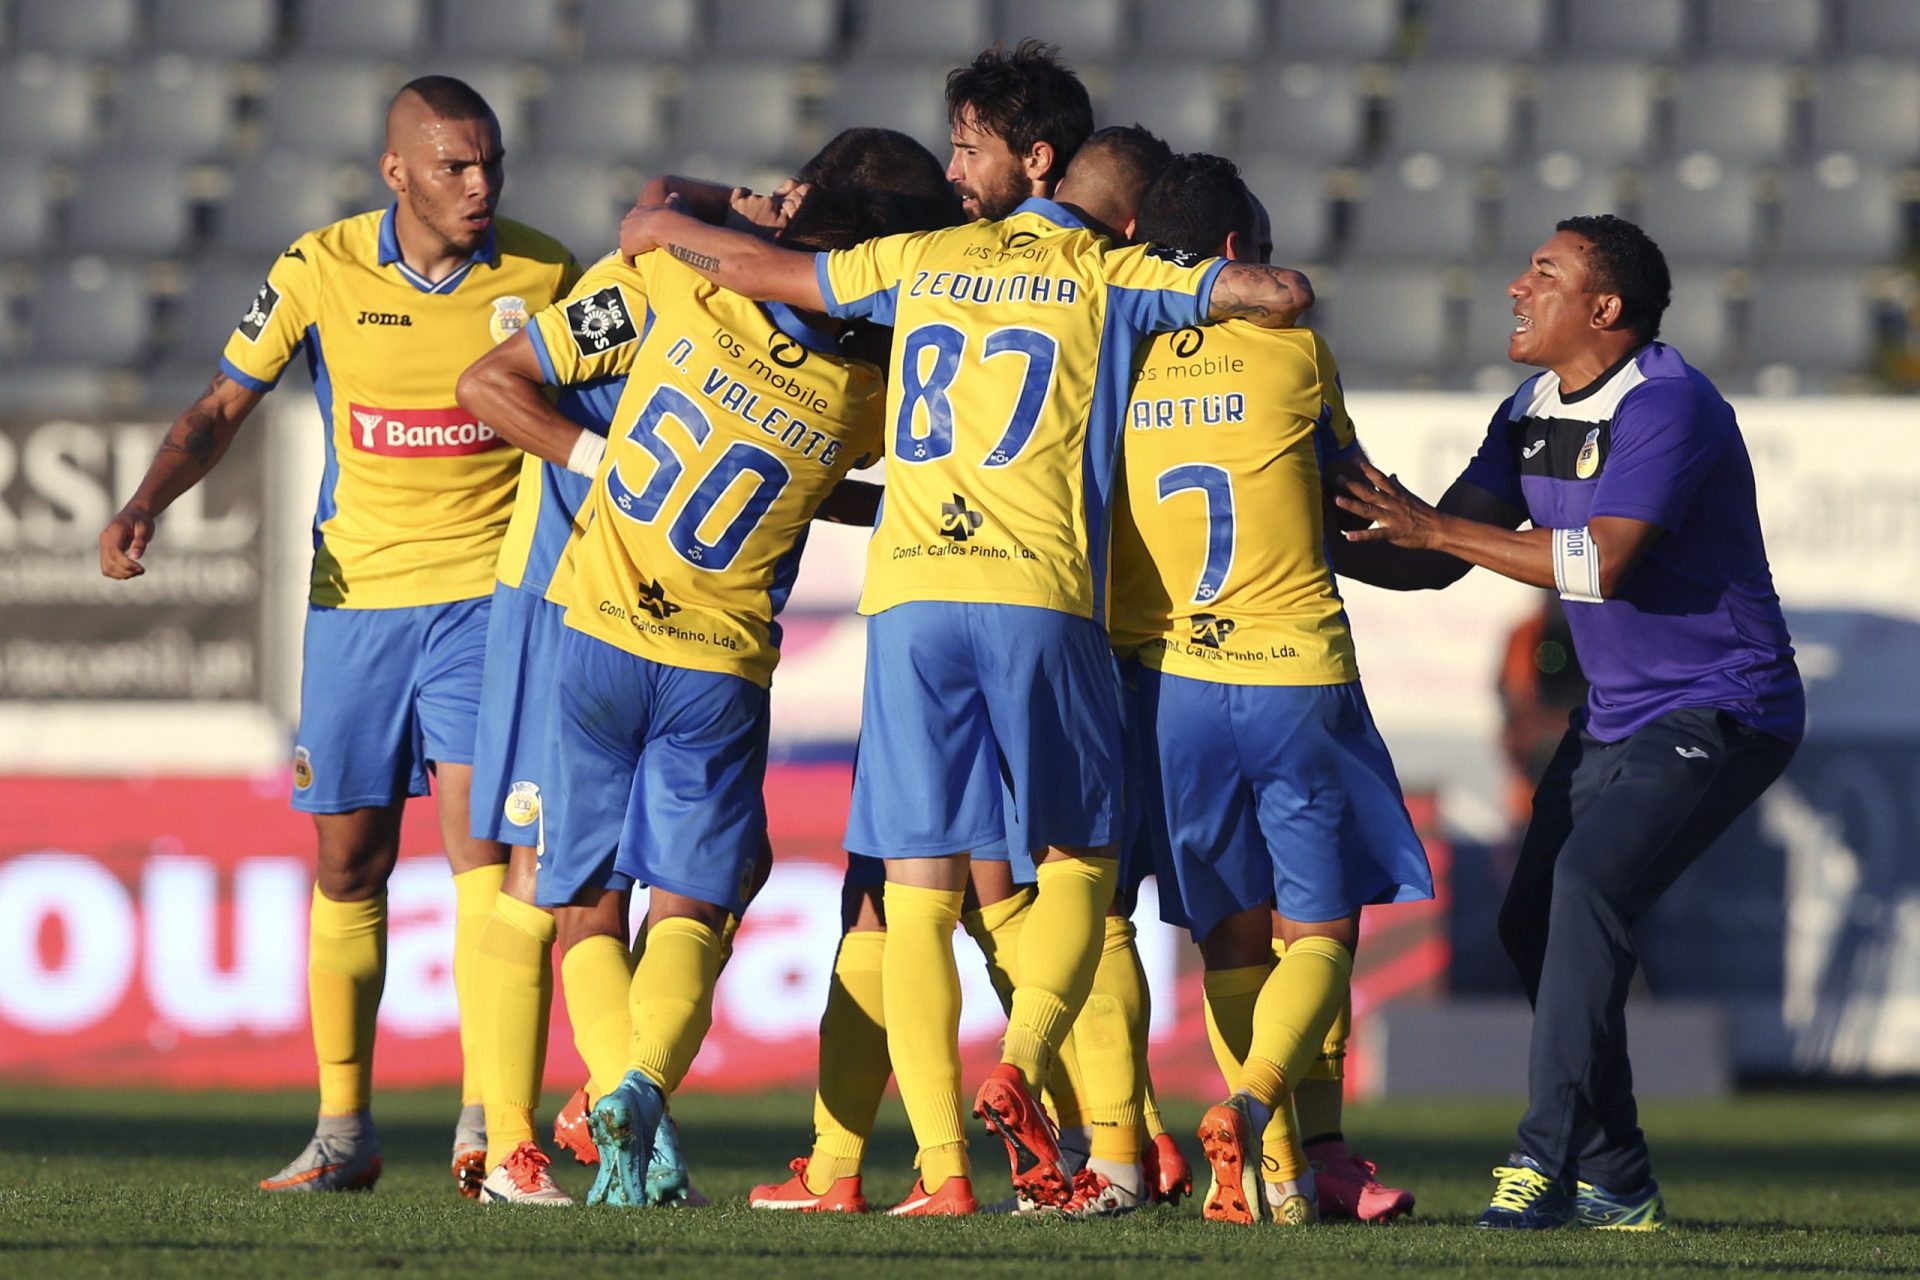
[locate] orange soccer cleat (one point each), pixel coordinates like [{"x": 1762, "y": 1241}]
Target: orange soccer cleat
[
  {"x": 1009, "y": 1111},
  {"x": 954, "y": 1199},
  {"x": 1169, "y": 1176},
  {"x": 570, "y": 1132},
  {"x": 469, "y": 1170},
  {"x": 842, "y": 1197},
  {"x": 1226, "y": 1136}
]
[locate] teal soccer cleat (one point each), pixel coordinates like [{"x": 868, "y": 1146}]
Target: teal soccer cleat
[
  {"x": 666, "y": 1168},
  {"x": 1605, "y": 1210},
  {"x": 623, "y": 1125},
  {"x": 1526, "y": 1199}
]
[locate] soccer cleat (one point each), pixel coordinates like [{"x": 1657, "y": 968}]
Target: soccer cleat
[
  {"x": 525, "y": 1177},
  {"x": 1097, "y": 1196},
  {"x": 842, "y": 1197},
  {"x": 1604, "y": 1210},
  {"x": 1348, "y": 1189},
  {"x": 1291, "y": 1203},
  {"x": 469, "y": 1164},
  {"x": 1169, "y": 1176},
  {"x": 1526, "y": 1199},
  {"x": 329, "y": 1164},
  {"x": 954, "y": 1199},
  {"x": 570, "y": 1132},
  {"x": 1010, "y": 1112},
  {"x": 623, "y": 1125},
  {"x": 1226, "y": 1138},
  {"x": 666, "y": 1168}
]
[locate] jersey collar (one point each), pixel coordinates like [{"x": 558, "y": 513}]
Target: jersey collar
[
  {"x": 487, "y": 251},
  {"x": 1058, "y": 214},
  {"x": 788, "y": 321}
]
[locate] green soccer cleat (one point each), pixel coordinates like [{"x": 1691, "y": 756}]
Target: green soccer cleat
[
  {"x": 623, "y": 1125},
  {"x": 1605, "y": 1210}
]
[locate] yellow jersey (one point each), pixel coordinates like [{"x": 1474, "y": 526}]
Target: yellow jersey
[
  {"x": 415, "y": 493},
  {"x": 1220, "y": 568},
  {"x": 735, "y": 421},
  {"x": 1013, "y": 345}
]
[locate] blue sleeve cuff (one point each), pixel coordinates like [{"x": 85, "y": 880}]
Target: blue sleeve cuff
[
  {"x": 246, "y": 380},
  {"x": 540, "y": 353},
  {"x": 825, "y": 281}
]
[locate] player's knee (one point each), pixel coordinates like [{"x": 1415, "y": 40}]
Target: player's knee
[{"x": 663, "y": 905}]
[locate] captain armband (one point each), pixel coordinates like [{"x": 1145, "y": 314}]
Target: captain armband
[
  {"x": 1576, "y": 565},
  {"x": 584, "y": 458}
]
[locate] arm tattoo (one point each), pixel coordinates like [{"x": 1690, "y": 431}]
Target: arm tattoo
[
  {"x": 1249, "y": 292},
  {"x": 698, "y": 261},
  {"x": 200, "y": 440}
]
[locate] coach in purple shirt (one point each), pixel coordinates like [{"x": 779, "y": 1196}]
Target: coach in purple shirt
[{"x": 1631, "y": 470}]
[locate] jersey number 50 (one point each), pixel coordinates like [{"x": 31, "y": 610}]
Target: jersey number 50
[
  {"x": 928, "y": 389},
  {"x": 770, "y": 476}
]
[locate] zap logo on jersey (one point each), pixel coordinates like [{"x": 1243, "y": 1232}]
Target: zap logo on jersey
[
  {"x": 601, "y": 321},
  {"x": 509, "y": 317},
  {"x": 254, "y": 323},
  {"x": 1211, "y": 630},
  {"x": 421, "y": 433},
  {"x": 522, "y": 807},
  {"x": 1589, "y": 460}
]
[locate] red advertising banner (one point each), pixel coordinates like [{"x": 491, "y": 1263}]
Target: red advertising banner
[{"x": 153, "y": 931}]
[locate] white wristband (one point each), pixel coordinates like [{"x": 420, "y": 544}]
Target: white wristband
[
  {"x": 1576, "y": 565},
  {"x": 584, "y": 459}
]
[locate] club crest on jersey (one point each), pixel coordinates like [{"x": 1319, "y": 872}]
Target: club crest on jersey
[
  {"x": 522, "y": 808},
  {"x": 1589, "y": 460},
  {"x": 259, "y": 311},
  {"x": 509, "y": 317},
  {"x": 601, "y": 321},
  {"x": 1211, "y": 630},
  {"x": 1178, "y": 257},
  {"x": 302, "y": 769}
]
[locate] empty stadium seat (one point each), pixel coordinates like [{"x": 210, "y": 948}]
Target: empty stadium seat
[
  {"x": 216, "y": 28},
  {"x": 787, "y": 29},
  {"x": 576, "y": 199},
  {"x": 1387, "y": 322},
  {"x": 367, "y": 28},
  {"x": 275, "y": 199},
  {"x": 648, "y": 30},
  {"x": 1870, "y": 109},
  {"x": 1228, "y": 30},
  {"x": 1490, "y": 316},
  {"x": 1417, "y": 209},
  {"x": 903, "y": 98},
  {"x": 1881, "y": 28},
  {"x": 77, "y": 28},
  {"x": 1087, "y": 31},
  {"x": 1701, "y": 209},
  {"x": 174, "y": 107},
  {"x": 1818, "y": 322},
  {"x": 603, "y": 109},
  {"x": 1304, "y": 109},
  {"x": 499, "y": 28},
  {"x": 1180, "y": 102},
  {"x": 1338, "y": 30},
  {"x": 500, "y": 83},
  {"x": 1734, "y": 112},
  {"x": 1764, "y": 28},
  {"x": 952, "y": 29},
  {"x": 1462, "y": 111},
  {"x": 1295, "y": 195},
  {"x": 328, "y": 110},
  {"x": 218, "y": 293},
  {"x": 1535, "y": 197},
  {"x": 742, "y": 112},
  {"x": 47, "y": 106},
  {"x": 1840, "y": 210},
  {"x": 1646, "y": 29},
  {"x": 1601, "y": 112},
  {"x": 127, "y": 206},
  {"x": 25, "y": 225},
  {"x": 1486, "y": 28},
  {"x": 1697, "y": 323},
  {"x": 89, "y": 312}
]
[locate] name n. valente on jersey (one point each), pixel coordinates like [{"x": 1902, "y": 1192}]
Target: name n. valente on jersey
[{"x": 744, "y": 402}]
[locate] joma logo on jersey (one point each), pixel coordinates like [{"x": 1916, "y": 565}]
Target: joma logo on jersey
[
  {"x": 386, "y": 317},
  {"x": 958, "y": 521},
  {"x": 653, "y": 598},
  {"x": 1211, "y": 630},
  {"x": 421, "y": 433}
]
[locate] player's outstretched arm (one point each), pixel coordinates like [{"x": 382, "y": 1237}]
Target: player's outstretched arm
[
  {"x": 734, "y": 260},
  {"x": 1271, "y": 297},
  {"x": 505, "y": 389},
  {"x": 194, "y": 444},
  {"x": 855, "y": 502}
]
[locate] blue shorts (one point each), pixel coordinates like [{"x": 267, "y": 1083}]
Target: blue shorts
[
  {"x": 656, "y": 775},
  {"x": 382, "y": 692},
  {"x": 510, "y": 741},
  {"x": 985, "y": 724},
  {"x": 1272, "y": 795}
]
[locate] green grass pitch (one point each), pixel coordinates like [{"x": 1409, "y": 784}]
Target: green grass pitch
[{"x": 152, "y": 1184}]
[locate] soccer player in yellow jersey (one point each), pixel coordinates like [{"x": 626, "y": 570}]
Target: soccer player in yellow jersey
[
  {"x": 1256, "y": 759},
  {"x": 387, "y": 307},
  {"x": 986, "y": 577}
]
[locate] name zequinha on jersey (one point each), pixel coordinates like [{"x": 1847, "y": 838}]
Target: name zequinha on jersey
[
  {"x": 746, "y": 404},
  {"x": 984, "y": 290}
]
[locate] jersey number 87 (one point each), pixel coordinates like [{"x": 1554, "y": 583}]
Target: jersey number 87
[{"x": 929, "y": 390}]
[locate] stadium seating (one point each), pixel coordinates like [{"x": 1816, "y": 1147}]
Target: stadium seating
[
  {"x": 601, "y": 107},
  {"x": 48, "y": 107},
  {"x": 1096, "y": 30},
  {"x": 26, "y": 222},
  {"x": 647, "y": 30},
  {"x": 1880, "y": 28},
  {"x": 1533, "y": 199},
  {"x": 1485, "y": 28},
  {"x": 1225, "y": 30},
  {"x": 78, "y": 28},
  {"x": 157, "y": 223},
  {"x": 328, "y": 109},
  {"x": 1838, "y": 210},
  {"x": 775, "y": 29},
  {"x": 1177, "y": 101},
  {"x": 86, "y": 311},
  {"x": 1600, "y": 112},
  {"x": 1389, "y": 321},
  {"x": 1349, "y": 30},
  {"x": 216, "y": 28},
  {"x": 1417, "y": 209},
  {"x": 173, "y": 107},
  {"x": 1816, "y": 322},
  {"x": 1462, "y": 111},
  {"x": 501, "y": 29},
  {"x": 1737, "y": 112},
  {"x": 1305, "y": 109},
  {"x": 1774, "y": 29},
  {"x": 1297, "y": 204},
  {"x": 1649, "y": 30},
  {"x": 912, "y": 31},
  {"x": 1702, "y": 210},
  {"x": 361, "y": 28},
  {"x": 1869, "y": 107},
  {"x": 272, "y": 200},
  {"x": 894, "y": 96},
  {"x": 577, "y": 199}
]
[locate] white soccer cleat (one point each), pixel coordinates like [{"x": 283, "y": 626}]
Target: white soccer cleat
[
  {"x": 525, "y": 1177},
  {"x": 1096, "y": 1195},
  {"x": 329, "y": 1164}
]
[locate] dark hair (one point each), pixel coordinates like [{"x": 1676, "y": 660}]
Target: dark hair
[
  {"x": 841, "y": 217},
  {"x": 1625, "y": 261},
  {"x": 1135, "y": 149},
  {"x": 1024, "y": 97},
  {"x": 1194, "y": 203},
  {"x": 882, "y": 160},
  {"x": 448, "y": 98}
]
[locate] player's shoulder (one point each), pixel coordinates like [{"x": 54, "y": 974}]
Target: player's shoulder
[
  {"x": 518, "y": 240},
  {"x": 1666, "y": 387},
  {"x": 355, "y": 238}
]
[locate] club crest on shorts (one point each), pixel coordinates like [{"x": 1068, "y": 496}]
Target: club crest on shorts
[
  {"x": 509, "y": 317},
  {"x": 523, "y": 804},
  {"x": 1589, "y": 460},
  {"x": 302, "y": 769}
]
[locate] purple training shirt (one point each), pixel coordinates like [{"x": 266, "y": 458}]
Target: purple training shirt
[{"x": 1697, "y": 623}]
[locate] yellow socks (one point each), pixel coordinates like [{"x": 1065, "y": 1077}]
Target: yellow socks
[
  {"x": 996, "y": 928},
  {"x": 598, "y": 973},
  {"x": 1230, "y": 997},
  {"x": 1320, "y": 1096},
  {"x": 1110, "y": 1038},
  {"x": 346, "y": 969},
  {"x": 1059, "y": 950},
  {"x": 473, "y": 895},
  {"x": 1297, "y": 1006},
  {"x": 922, "y": 1003},
  {"x": 672, "y": 986},
  {"x": 853, "y": 1061},
  {"x": 512, "y": 980}
]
